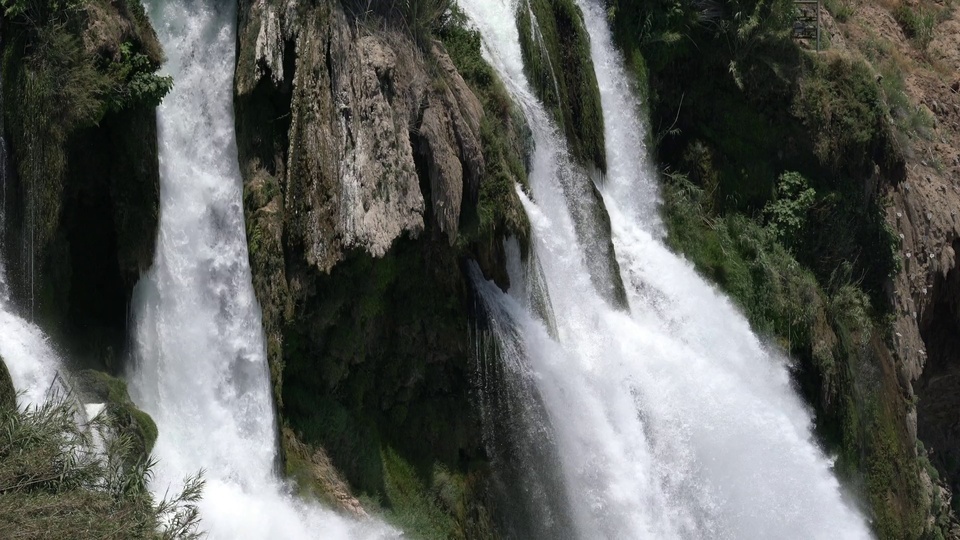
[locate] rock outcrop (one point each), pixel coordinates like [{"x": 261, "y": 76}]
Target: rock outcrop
[
  {"x": 373, "y": 170},
  {"x": 82, "y": 201}
]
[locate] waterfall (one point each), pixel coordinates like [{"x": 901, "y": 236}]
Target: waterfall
[
  {"x": 671, "y": 419},
  {"x": 200, "y": 368},
  {"x": 29, "y": 356}
]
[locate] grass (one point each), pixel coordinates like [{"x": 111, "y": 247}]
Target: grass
[
  {"x": 909, "y": 120},
  {"x": 55, "y": 483},
  {"x": 917, "y": 23},
  {"x": 840, "y": 9}
]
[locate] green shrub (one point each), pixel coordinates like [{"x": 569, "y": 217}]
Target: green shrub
[
  {"x": 787, "y": 214},
  {"x": 839, "y": 101},
  {"x": 917, "y": 24},
  {"x": 135, "y": 82}
]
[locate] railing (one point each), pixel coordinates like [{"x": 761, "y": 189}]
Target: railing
[{"x": 806, "y": 25}]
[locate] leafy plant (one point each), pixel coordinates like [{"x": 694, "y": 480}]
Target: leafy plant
[
  {"x": 787, "y": 213},
  {"x": 135, "y": 81}
]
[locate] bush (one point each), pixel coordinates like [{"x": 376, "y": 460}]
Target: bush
[
  {"x": 787, "y": 214},
  {"x": 917, "y": 24},
  {"x": 840, "y": 103},
  {"x": 135, "y": 81},
  {"x": 56, "y": 482}
]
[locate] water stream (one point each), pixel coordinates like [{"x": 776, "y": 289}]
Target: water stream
[{"x": 200, "y": 364}]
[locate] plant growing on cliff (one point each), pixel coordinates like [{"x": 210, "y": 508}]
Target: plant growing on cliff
[
  {"x": 840, "y": 103},
  {"x": 917, "y": 24},
  {"x": 787, "y": 213},
  {"x": 424, "y": 18},
  {"x": 135, "y": 81},
  {"x": 38, "y": 12}
]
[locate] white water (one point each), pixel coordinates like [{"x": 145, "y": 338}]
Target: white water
[
  {"x": 201, "y": 370},
  {"x": 31, "y": 359},
  {"x": 672, "y": 420}
]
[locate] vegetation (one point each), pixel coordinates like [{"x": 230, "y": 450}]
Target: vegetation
[
  {"x": 421, "y": 19},
  {"x": 57, "y": 481},
  {"x": 833, "y": 330},
  {"x": 917, "y": 23},
  {"x": 505, "y": 138}
]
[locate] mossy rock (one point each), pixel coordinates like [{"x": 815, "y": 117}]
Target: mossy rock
[
  {"x": 80, "y": 87},
  {"x": 556, "y": 58},
  {"x": 125, "y": 417},
  {"x": 8, "y": 393}
]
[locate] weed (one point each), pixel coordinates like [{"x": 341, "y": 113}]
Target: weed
[{"x": 917, "y": 24}]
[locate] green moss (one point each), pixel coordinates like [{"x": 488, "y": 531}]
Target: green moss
[
  {"x": 413, "y": 508},
  {"x": 435, "y": 508},
  {"x": 506, "y": 144},
  {"x": 556, "y": 56},
  {"x": 8, "y": 394},
  {"x": 126, "y": 418}
]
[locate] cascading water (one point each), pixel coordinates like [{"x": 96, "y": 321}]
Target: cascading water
[
  {"x": 671, "y": 420},
  {"x": 31, "y": 359},
  {"x": 200, "y": 363},
  {"x": 26, "y": 351}
]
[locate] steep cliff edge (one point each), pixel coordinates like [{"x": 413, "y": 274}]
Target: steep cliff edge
[
  {"x": 80, "y": 89},
  {"x": 376, "y": 161}
]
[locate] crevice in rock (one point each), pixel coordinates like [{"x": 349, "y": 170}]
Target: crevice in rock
[{"x": 938, "y": 389}]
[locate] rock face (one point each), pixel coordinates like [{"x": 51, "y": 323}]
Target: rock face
[
  {"x": 372, "y": 172},
  {"x": 926, "y": 293},
  {"x": 361, "y": 106},
  {"x": 82, "y": 198}
]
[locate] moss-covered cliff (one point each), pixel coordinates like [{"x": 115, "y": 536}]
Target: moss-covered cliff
[
  {"x": 378, "y": 157},
  {"x": 82, "y": 205}
]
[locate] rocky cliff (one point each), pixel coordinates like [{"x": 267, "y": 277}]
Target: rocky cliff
[
  {"x": 82, "y": 201},
  {"x": 377, "y": 159}
]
